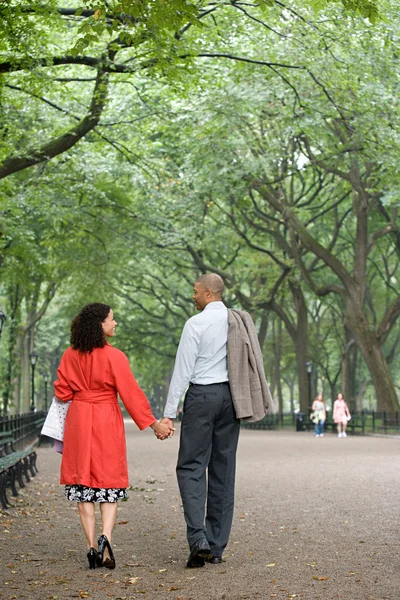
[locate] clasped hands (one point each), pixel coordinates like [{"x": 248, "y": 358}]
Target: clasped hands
[{"x": 164, "y": 428}]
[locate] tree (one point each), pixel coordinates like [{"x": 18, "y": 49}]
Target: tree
[
  {"x": 184, "y": 127},
  {"x": 150, "y": 36},
  {"x": 328, "y": 139}
]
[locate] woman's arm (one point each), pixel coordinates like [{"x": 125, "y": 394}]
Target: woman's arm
[
  {"x": 131, "y": 394},
  {"x": 62, "y": 389},
  {"x": 133, "y": 397}
]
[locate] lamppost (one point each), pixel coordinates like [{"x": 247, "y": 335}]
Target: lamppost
[
  {"x": 46, "y": 379},
  {"x": 33, "y": 356},
  {"x": 2, "y": 321},
  {"x": 309, "y": 371}
]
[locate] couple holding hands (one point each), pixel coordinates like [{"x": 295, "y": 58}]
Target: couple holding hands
[{"x": 92, "y": 374}]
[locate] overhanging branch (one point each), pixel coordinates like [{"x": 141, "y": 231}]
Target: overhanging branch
[{"x": 67, "y": 140}]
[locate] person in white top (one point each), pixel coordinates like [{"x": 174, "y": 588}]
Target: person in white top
[
  {"x": 319, "y": 415},
  {"x": 210, "y": 429}
]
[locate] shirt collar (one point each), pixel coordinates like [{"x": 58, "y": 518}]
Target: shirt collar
[{"x": 215, "y": 304}]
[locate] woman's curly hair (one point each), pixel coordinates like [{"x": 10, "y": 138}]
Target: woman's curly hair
[{"x": 86, "y": 330}]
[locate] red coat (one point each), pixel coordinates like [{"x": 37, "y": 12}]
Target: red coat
[{"x": 94, "y": 452}]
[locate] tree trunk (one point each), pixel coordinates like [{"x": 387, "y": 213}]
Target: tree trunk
[
  {"x": 14, "y": 305},
  {"x": 372, "y": 353},
  {"x": 276, "y": 383},
  {"x": 263, "y": 329},
  {"x": 18, "y": 375},
  {"x": 333, "y": 391},
  {"x": 301, "y": 348},
  {"x": 349, "y": 364},
  {"x": 26, "y": 373},
  {"x": 360, "y": 396},
  {"x": 304, "y": 390},
  {"x": 291, "y": 391},
  {"x": 299, "y": 333}
]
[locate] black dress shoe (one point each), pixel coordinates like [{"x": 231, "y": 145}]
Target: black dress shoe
[
  {"x": 109, "y": 561},
  {"x": 92, "y": 558},
  {"x": 214, "y": 560},
  {"x": 198, "y": 553}
]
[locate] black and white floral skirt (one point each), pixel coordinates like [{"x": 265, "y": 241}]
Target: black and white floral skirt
[{"x": 82, "y": 493}]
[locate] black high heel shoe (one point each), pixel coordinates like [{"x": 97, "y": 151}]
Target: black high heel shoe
[
  {"x": 92, "y": 557},
  {"x": 108, "y": 562}
]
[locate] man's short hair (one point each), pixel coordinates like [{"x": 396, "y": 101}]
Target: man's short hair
[{"x": 212, "y": 282}]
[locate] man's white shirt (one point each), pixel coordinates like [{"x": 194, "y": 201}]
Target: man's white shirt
[{"x": 202, "y": 354}]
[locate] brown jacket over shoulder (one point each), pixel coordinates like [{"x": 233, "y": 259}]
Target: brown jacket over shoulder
[{"x": 250, "y": 392}]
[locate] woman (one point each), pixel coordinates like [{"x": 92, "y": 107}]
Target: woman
[
  {"x": 341, "y": 415},
  {"x": 94, "y": 466},
  {"x": 319, "y": 416}
]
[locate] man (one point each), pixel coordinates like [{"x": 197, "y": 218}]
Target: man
[{"x": 210, "y": 426}]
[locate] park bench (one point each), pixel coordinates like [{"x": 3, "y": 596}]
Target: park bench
[
  {"x": 356, "y": 425},
  {"x": 14, "y": 465},
  {"x": 269, "y": 422},
  {"x": 390, "y": 423}
]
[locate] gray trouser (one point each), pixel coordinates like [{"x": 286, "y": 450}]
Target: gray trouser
[{"x": 209, "y": 438}]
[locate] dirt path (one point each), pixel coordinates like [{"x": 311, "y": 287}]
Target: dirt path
[{"x": 316, "y": 519}]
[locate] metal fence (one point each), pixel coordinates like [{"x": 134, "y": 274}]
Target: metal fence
[
  {"x": 362, "y": 423},
  {"x": 24, "y": 429}
]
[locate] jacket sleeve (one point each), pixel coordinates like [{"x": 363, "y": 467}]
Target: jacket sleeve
[
  {"x": 62, "y": 389},
  {"x": 132, "y": 396},
  {"x": 267, "y": 400}
]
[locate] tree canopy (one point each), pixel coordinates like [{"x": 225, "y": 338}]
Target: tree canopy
[{"x": 144, "y": 143}]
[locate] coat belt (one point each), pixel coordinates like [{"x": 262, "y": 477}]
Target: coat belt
[{"x": 96, "y": 396}]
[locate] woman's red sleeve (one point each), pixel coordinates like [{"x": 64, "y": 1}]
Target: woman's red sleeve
[
  {"x": 62, "y": 390},
  {"x": 133, "y": 397}
]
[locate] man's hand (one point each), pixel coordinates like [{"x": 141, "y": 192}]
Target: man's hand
[
  {"x": 170, "y": 423},
  {"x": 163, "y": 429}
]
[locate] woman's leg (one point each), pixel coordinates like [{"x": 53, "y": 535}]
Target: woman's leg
[
  {"x": 88, "y": 520},
  {"x": 108, "y": 513},
  {"x": 339, "y": 428},
  {"x": 344, "y": 426}
]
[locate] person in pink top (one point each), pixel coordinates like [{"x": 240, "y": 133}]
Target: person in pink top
[{"x": 341, "y": 415}]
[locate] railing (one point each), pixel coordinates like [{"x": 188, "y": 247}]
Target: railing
[
  {"x": 364, "y": 422},
  {"x": 23, "y": 428}
]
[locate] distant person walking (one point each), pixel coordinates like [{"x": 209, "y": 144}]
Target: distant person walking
[
  {"x": 341, "y": 415},
  {"x": 319, "y": 415}
]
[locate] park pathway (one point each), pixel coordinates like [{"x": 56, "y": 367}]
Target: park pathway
[{"x": 316, "y": 519}]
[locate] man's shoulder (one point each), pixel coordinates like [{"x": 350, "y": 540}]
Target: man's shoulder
[
  {"x": 195, "y": 321},
  {"x": 203, "y": 318}
]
